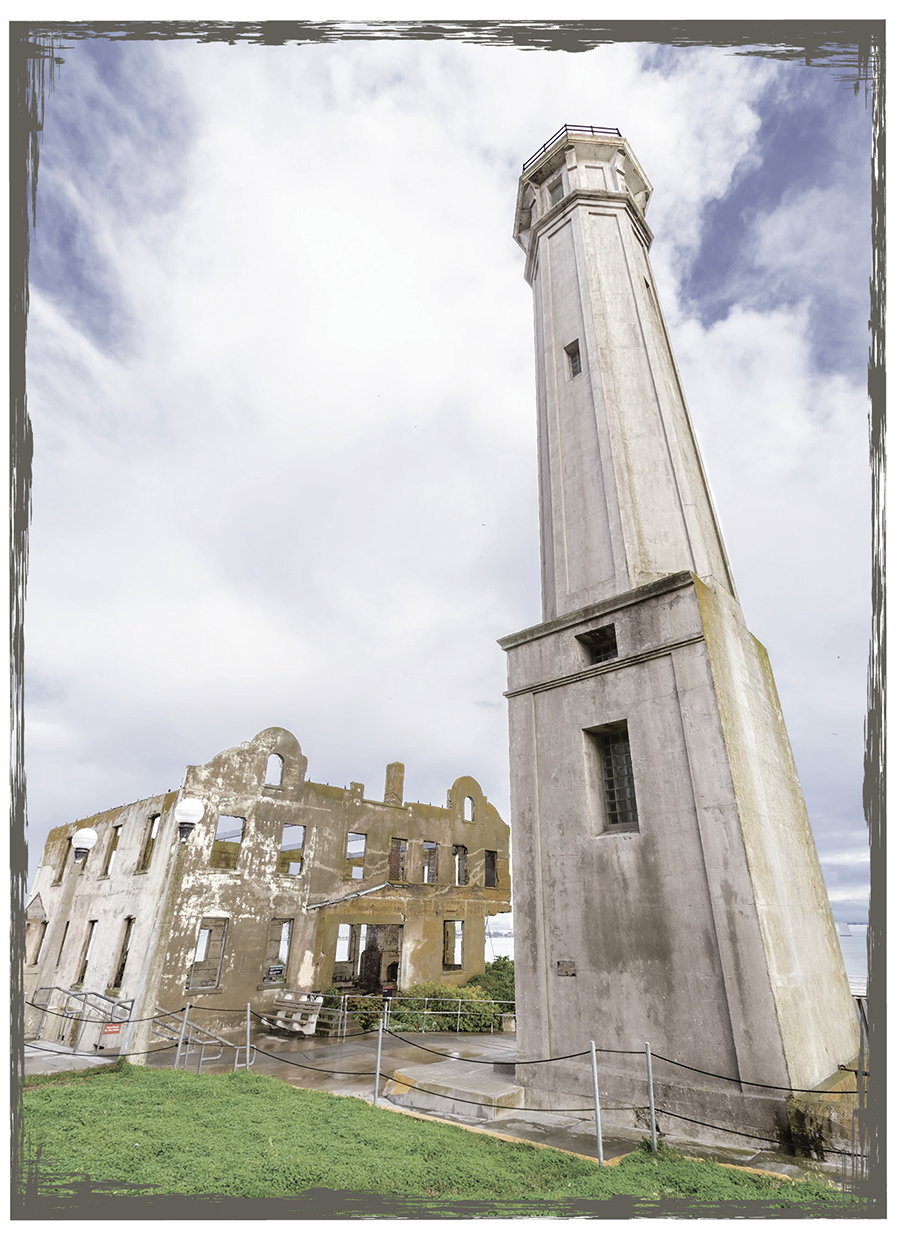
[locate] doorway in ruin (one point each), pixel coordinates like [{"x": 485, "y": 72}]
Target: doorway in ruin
[{"x": 367, "y": 956}]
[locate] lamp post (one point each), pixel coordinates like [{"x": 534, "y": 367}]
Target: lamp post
[
  {"x": 188, "y": 813},
  {"x": 83, "y": 841}
]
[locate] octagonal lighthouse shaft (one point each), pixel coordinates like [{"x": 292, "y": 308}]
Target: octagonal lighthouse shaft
[
  {"x": 624, "y": 499},
  {"x": 667, "y": 887}
]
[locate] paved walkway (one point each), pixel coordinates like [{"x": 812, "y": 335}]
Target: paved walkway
[{"x": 347, "y": 1067}]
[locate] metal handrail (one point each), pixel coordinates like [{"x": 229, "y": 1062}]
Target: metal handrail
[
  {"x": 593, "y": 130},
  {"x": 113, "y": 1009},
  {"x": 345, "y": 1010},
  {"x": 197, "y": 1037}
]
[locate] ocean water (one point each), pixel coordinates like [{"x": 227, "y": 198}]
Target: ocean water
[{"x": 853, "y": 948}]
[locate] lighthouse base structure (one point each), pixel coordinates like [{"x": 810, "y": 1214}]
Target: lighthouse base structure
[{"x": 667, "y": 885}]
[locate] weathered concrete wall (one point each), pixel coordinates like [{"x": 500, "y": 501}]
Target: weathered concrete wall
[
  {"x": 325, "y": 893},
  {"x": 249, "y": 886},
  {"x": 89, "y": 892},
  {"x": 676, "y": 899},
  {"x": 624, "y": 498},
  {"x": 668, "y": 928}
]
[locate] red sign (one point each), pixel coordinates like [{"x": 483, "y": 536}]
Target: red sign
[{"x": 113, "y": 1028}]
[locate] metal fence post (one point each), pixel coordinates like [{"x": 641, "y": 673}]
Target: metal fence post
[
  {"x": 650, "y": 1095},
  {"x": 247, "y": 1065},
  {"x": 378, "y": 1063},
  {"x": 181, "y": 1035},
  {"x": 596, "y": 1103}
]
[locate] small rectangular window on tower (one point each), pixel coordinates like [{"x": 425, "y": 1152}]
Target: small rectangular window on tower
[
  {"x": 612, "y": 777},
  {"x": 600, "y": 644},
  {"x": 573, "y": 351},
  {"x": 556, "y": 192}
]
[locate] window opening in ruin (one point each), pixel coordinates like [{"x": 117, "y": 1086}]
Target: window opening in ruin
[
  {"x": 62, "y": 945},
  {"x": 573, "y": 351},
  {"x": 397, "y": 859},
  {"x": 208, "y": 954},
  {"x": 290, "y": 854},
  {"x": 460, "y": 864},
  {"x": 227, "y": 843},
  {"x": 355, "y": 856},
  {"x": 556, "y": 192},
  {"x": 342, "y": 951},
  {"x": 490, "y": 869},
  {"x": 42, "y": 935},
  {"x": 429, "y": 862},
  {"x": 469, "y": 810},
  {"x": 62, "y": 866},
  {"x": 149, "y": 843},
  {"x": 600, "y": 644},
  {"x": 86, "y": 953},
  {"x": 278, "y": 948},
  {"x": 613, "y": 751},
  {"x": 274, "y": 769},
  {"x": 119, "y": 972},
  {"x": 453, "y": 944},
  {"x": 111, "y": 850}
]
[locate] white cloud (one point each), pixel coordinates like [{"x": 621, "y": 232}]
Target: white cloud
[{"x": 299, "y": 488}]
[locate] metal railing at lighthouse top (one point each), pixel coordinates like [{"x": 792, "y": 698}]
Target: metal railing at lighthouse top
[{"x": 574, "y": 129}]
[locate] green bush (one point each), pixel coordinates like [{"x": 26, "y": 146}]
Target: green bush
[
  {"x": 443, "y": 1013},
  {"x": 499, "y": 981}
]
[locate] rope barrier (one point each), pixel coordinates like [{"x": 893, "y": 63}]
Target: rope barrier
[
  {"x": 774, "y": 1141},
  {"x": 740, "y": 1081},
  {"x": 475, "y": 1060}
]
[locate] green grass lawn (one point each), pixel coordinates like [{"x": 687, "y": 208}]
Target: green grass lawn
[{"x": 253, "y": 1136}]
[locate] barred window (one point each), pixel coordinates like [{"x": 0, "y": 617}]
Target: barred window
[
  {"x": 600, "y": 644},
  {"x": 616, "y": 778},
  {"x": 573, "y": 351}
]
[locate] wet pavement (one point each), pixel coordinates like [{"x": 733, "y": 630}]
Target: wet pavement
[{"x": 347, "y": 1067}]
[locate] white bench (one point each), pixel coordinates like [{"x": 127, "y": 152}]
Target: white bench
[{"x": 295, "y": 1011}]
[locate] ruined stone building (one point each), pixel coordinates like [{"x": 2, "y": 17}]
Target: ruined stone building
[
  {"x": 668, "y": 887},
  {"x": 281, "y": 884}
]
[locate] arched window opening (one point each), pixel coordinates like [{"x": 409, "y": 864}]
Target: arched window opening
[
  {"x": 469, "y": 810},
  {"x": 274, "y": 769}
]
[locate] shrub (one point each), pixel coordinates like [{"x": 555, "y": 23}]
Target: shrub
[
  {"x": 499, "y": 981},
  {"x": 443, "y": 1011}
]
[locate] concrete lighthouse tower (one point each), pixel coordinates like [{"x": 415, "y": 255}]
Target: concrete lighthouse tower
[{"x": 667, "y": 884}]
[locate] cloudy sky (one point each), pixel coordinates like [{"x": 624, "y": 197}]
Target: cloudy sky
[{"x": 280, "y": 370}]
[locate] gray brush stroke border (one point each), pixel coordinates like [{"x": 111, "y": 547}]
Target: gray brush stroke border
[{"x": 855, "y": 53}]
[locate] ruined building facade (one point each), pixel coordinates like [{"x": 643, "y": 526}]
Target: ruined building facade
[
  {"x": 668, "y": 887},
  {"x": 283, "y": 884}
]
